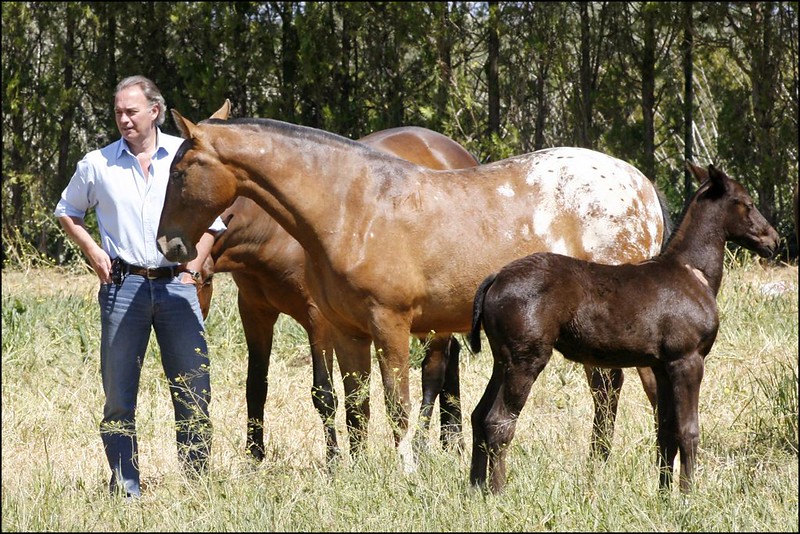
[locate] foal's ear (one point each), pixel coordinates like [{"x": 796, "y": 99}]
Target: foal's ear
[
  {"x": 223, "y": 112},
  {"x": 719, "y": 181},
  {"x": 185, "y": 126},
  {"x": 699, "y": 173}
]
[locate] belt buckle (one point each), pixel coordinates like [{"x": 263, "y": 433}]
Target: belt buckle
[{"x": 154, "y": 274}]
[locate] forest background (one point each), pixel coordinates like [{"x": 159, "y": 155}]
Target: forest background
[{"x": 652, "y": 83}]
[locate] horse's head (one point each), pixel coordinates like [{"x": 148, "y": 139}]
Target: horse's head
[
  {"x": 743, "y": 223},
  {"x": 200, "y": 187}
]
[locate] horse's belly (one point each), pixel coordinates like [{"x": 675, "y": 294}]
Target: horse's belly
[{"x": 608, "y": 358}]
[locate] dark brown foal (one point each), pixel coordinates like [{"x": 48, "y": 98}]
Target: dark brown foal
[{"x": 660, "y": 313}]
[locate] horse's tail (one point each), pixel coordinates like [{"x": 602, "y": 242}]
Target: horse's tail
[{"x": 477, "y": 313}]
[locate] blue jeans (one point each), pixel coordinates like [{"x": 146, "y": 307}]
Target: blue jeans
[{"x": 128, "y": 312}]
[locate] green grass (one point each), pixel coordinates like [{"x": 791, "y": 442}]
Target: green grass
[{"x": 54, "y": 473}]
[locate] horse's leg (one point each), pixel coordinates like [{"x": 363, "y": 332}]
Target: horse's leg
[
  {"x": 258, "y": 324},
  {"x": 665, "y": 427},
  {"x": 390, "y": 335},
  {"x": 450, "y": 399},
  {"x": 521, "y": 371},
  {"x": 605, "y": 385},
  {"x": 480, "y": 453},
  {"x": 353, "y": 355},
  {"x": 323, "y": 394},
  {"x": 433, "y": 377},
  {"x": 686, "y": 375},
  {"x": 648, "y": 379},
  {"x": 648, "y": 384}
]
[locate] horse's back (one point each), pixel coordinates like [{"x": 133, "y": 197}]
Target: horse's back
[
  {"x": 571, "y": 201},
  {"x": 596, "y": 314},
  {"x": 422, "y": 146}
]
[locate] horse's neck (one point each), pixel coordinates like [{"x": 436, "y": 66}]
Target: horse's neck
[
  {"x": 699, "y": 243},
  {"x": 306, "y": 181}
]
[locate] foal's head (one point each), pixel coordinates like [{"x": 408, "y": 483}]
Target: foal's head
[{"x": 742, "y": 223}]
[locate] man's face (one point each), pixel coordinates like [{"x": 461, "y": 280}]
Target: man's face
[{"x": 134, "y": 114}]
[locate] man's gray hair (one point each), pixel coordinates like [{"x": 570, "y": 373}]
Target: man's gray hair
[{"x": 151, "y": 93}]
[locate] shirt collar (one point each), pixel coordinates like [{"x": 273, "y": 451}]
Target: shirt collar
[{"x": 160, "y": 152}]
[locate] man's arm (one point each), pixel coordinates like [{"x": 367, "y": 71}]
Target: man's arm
[
  {"x": 98, "y": 258},
  {"x": 203, "y": 250}
]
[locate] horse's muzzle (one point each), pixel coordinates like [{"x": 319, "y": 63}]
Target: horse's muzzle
[{"x": 176, "y": 250}]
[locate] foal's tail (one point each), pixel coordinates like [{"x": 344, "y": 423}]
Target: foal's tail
[{"x": 477, "y": 313}]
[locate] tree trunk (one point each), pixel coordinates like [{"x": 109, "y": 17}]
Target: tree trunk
[
  {"x": 492, "y": 77},
  {"x": 688, "y": 96},
  {"x": 444, "y": 63},
  {"x": 764, "y": 82},
  {"x": 648, "y": 93},
  {"x": 583, "y": 121},
  {"x": 289, "y": 64}
]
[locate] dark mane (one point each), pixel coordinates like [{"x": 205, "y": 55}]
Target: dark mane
[
  {"x": 294, "y": 130},
  {"x": 183, "y": 149}
]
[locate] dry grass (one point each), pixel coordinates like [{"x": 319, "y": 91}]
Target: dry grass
[{"x": 55, "y": 475}]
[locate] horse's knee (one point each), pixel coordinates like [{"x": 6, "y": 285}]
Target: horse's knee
[
  {"x": 325, "y": 401},
  {"x": 688, "y": 439},
  {"x": 499, "y": 431}
]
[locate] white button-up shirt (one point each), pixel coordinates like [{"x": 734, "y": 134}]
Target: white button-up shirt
[{"x": 128, "y": 206}]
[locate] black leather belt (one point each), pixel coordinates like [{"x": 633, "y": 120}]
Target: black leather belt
[{"x": 151, "y": 273}]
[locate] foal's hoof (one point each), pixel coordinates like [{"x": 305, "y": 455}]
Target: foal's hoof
[{"x": 256, "y": 452}]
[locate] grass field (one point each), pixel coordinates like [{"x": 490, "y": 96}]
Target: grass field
[{"x": 54, "y": 472}]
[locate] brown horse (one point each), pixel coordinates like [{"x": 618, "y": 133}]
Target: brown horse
[
  {"x": 384, "y": 238},
  {"x": 659, "y": 313},
  {"x": 268, "y": 266}
]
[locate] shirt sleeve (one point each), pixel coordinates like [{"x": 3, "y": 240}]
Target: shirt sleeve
[{"x": 79, "y": 195}]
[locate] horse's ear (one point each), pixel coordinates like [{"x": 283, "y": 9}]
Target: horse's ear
[
  {"x": 717, "y": 183},
  {"x": 185, "y": 126},
  {"x": 223, "y": 112},
  {"x": 718, "y": 178},
  {"x": 699, "y": 173}
]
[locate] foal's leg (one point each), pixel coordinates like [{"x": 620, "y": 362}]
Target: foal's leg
[
  {"x": 258, "y": 324},
  {"x": 648, "y": 384},
  {"x": 605, "y": 385},
  {"x": 450, "y": 399},
  {"x": 477, "y": 473},
  {"x": 665, "y": 427},
  {"x": 521, "y": 371},
  {"x": 353, "y": 355},
  {"x": 686, "y": 375}
]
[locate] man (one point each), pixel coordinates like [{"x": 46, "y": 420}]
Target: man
[{"x": 125, "y": 182}]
